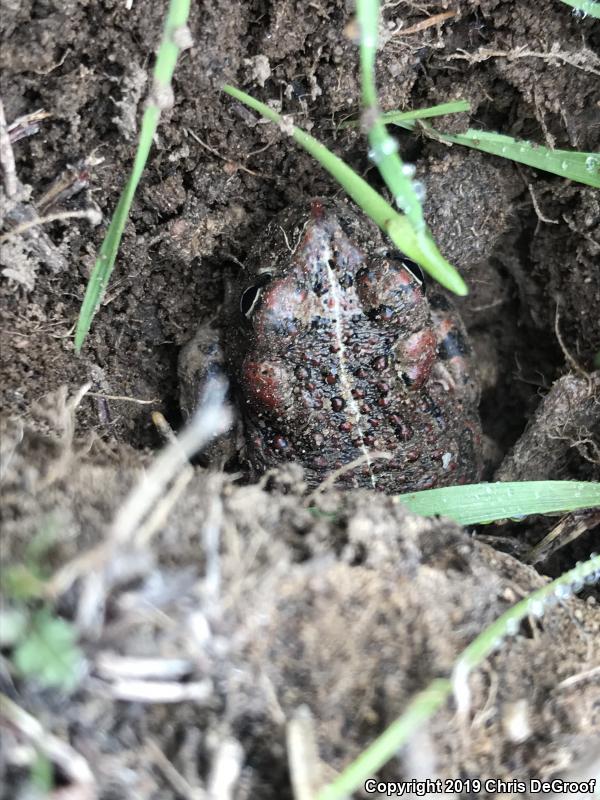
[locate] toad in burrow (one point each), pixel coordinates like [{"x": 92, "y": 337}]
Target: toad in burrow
[{"x": 336, "y": 353}]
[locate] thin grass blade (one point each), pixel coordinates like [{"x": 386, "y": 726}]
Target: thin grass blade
[
  {"x": 487, "y": 502},
  {"x": 422, "y": 707},
  {"x": 425, "y": 704},
  {"x": 383, "y": 152},
  {"x": 572, "y": 164},
  {"x": 454, "y": 107},
  {"x": 173, "y": 40},
  {"x": 396, "y": 226},
  {"x": 588, "y": 8}
]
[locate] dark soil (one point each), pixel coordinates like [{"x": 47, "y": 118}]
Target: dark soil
[{"x": 353, "y": 609}]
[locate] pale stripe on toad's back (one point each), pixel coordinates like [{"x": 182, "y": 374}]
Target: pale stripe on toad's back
[{"x": 345, "y": 373}]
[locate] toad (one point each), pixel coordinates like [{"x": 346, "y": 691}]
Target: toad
[{"x": 341, "y": 360}]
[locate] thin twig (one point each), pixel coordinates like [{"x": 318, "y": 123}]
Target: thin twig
[
  {"x": 91, "y": 214},
  {"x": 212, "y": 419},
  {"x": 333, "y": 476},
  {"x": 162, "y": 509},
  {"x": 123, "y": 398},
  {"x": 216, "y": 153},
  {"x": 575, "y": 366},
  {"x": 579, "y": 677},
  {"x": 536, "y": 207},
  {"x": 27, "y": 125},
  {"x": 163, "y": 427}
]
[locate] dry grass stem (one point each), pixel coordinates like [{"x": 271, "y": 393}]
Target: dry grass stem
[
  {"x": 124, "y": 398},
  {"x": 113, "y": 667},
  {"x": 72, "y": 180},
  {"x": 27, "y": 125},
  {"x": 135, "y": 691},
  {"x": 564, "y": 532},
  {"x": 303, "y": 757},
  {"x": 7, "y": 158},
  {"x": 436, "y": 19},
  {"x": 69, "y": 761},
  {"x": 226, "y": 769},
  {"x": 580, "y": 60},
  {"x": 174, "y": 777},
  {"x": 211, "y": 419}
]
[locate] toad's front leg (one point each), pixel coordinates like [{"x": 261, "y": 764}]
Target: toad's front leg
[
  {"x": 200, "y": 360},
  {"x": 455, "y": 367}
]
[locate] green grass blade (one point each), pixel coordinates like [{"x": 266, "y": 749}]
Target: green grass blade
[
  {"x": 173, "y": 39},
  {"x": 395, "y": 117},
  {"x": 486, "y": 502},
  {"x": 383, "y": 152},
  {"x": 572, "y": 164},
  {"x": 424, "y": 705},
  {"x": 588, "y": 7},
  {"x": 581, "y": 167},
  {"x": 454, "y": 107},
  {"x": 419, "y": 249},
  {"x": 535, "y": 603}
]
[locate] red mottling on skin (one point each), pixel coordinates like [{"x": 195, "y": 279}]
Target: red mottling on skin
[
  {"x": 406, "y": 279},
  {"x": 421, "y": 344},
  {"x": 283, "y": 299},
  {"x": 262, "y": 381},
  {"x": 316, "y": 209},
  {"x": 418, "y": 356}
]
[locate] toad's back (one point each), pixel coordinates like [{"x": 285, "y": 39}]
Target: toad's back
[{"x": 337, "y": 356}]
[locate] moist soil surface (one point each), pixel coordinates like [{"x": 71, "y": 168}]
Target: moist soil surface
[{"x": 266, "y": 610}]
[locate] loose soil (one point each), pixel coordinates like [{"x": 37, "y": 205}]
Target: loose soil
[{"x": 349, "y": 607}]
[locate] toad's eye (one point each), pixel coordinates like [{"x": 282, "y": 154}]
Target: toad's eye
[
  {"x": 416, "y": 271},
  {"x": 251, "y": 295}
]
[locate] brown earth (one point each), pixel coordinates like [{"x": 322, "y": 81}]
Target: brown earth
[{"x": 351, "y": 607}]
